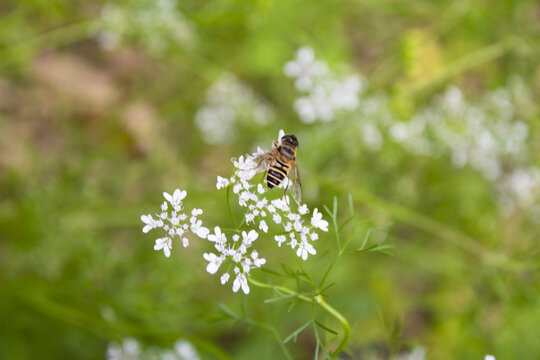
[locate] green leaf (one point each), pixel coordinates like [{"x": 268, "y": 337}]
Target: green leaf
[
  {"x": 228, "y": 311},
  {"x": 279, "y": 298},
  {"x": 295, "y": 333},
  {"x": 275, "y": 273},
  {"x": 293, "y": 303},
  {"x": 328, "y": 287},
  {"x": 347, "y": 221},
  {"x": 383, "y": 248},
  {"x": 324, "y": 327},
  {"x": 288, "y": 270}
]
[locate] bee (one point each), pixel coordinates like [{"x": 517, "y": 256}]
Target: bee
[{"x": 280, "y": 163}]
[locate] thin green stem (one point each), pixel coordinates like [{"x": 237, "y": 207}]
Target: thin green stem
[
  {"x": 231, "y": 230},
  {"x": 229, "y": 206},
  {"x": 317, "y": 300}
]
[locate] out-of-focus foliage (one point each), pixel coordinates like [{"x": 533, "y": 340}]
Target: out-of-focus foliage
[{"x": 105, "y": 105}]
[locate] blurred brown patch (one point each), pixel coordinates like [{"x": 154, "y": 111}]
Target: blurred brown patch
[
  {"x": 77, "y": 79},
  {"x": 140, "y": 121},
  {"x": 14, "y": 153},
  {"x": 6, "y": 94},
  {"x": 124, "y": 62}
]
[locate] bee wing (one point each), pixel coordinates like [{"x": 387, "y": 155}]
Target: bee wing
[
  {"x": 263, "y": 161},
  {"x": 295, "y": 184}
]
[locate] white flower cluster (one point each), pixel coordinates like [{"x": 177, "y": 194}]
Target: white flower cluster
[
  {"x": 173, "y": 222},
  {"x": 261, "y": 212},
  {"x": 154, "y": 24},
  {"x": 130, "y": 349},
  {"x": 237, "y": 251},
  {"x": 228, "y": 102},
  {"x": 521, "y": 188},
  {"x": 479, "y": 135},
  {"x": 489, "y": 135},
  {"x": 325, "y": 93}
]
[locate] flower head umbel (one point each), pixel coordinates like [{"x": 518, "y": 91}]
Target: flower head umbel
[
  {"x": 295, "y": 228},
  {"x": 174, "y": 222}
]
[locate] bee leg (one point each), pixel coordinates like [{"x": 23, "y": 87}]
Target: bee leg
[
  {"x": 285, "y": 195},
  {"x": 274, "y": 143}
]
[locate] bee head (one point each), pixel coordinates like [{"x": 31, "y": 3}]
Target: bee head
[{"x": 290, "y": 139}]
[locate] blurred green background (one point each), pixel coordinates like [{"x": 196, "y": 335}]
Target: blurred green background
[{"x": 98, "y": 116}]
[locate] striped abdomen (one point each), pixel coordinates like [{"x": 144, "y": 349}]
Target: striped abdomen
[{"x": 277, "y": 172}]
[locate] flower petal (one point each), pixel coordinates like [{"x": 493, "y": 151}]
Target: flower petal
[
  {"x": 168, "y": 197},
  {"x": 212, "y": 267},
  {"x": 245, "y": 286}
]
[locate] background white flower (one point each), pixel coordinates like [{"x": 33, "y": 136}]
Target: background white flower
[
  {"x": 131, "y": 349},
  {"x": 326, "y": 93},
  {"x": 157, "y": 25},
  {"x": 230, "y": 103}
]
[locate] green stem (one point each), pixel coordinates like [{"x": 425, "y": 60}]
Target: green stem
[
  {"x": 229, "y": 206},
  {"x": 317, "y": 300}
]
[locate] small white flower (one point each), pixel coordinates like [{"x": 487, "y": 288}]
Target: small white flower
[
  {"x": 261, "y": 189},
  {"x": 222, "y": 182},
  {"x": 304, "y": 249},
  {"x": 199, "y": 230},
  {"x": 303, "y": 209},
  {"x": 318, "y": 222},
  {"x": 177, "y": 196},
  {"x": 224, "y": 278},
  {"x": 258, "y": 262},
  {"x": 185, "y": 242},
  {"x": 164, "y": 244},
  {"x": 489, "y": 357},
  {"x": 293, "y": 217},
  {"x": 263, "y": 226},
  {"x": 236, "y": 237},
  {"x": 218, "y": 236},
  {"x": 237, "y": 187},
  {"x": 293, "y": 241},
  {"x": 202, "y": 232},
  {"x": 280, "y": 239},
  {"x": 149, "y": 221},
  {"x": 214, "y": 262},
  {"x": 248, "y": 238},
  {"x": 288, "y": 227},
  {"x": 240, "y": 281},
  {"x": 196, "y": 212},
  {"x": 250, "y": 218}
]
